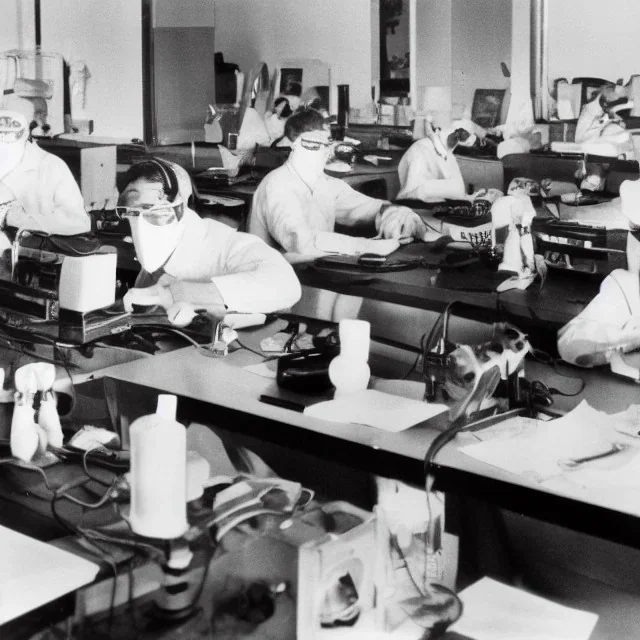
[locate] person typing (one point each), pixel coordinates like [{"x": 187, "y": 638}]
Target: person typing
[
  {"x": 297, "y": 203},
  {"x": 190, "y": 263}
]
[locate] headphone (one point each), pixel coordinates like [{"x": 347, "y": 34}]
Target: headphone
[{"x": 169, "y": 178}]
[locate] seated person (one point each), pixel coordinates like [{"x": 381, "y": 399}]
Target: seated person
[
  {"x": 298, "y": 200},
  {"x": 37, "y": 188},
  {"x": 429, "y": 170},
  {"x": 611, "y": 321},
  {"x": 190, "y": 263}
]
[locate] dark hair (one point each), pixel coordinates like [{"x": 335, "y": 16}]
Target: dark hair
[
  {"x": 303, "y": 120},
  {"x": 153, "y": 170}
]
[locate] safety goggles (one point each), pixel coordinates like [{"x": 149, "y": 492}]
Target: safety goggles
[
  {"x": 157, "y": 215},
  {"x": 314, "y": 145}
]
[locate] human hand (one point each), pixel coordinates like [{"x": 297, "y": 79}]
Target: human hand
[
  {"x": 402, "y": 224},
  {"x": 148, "y": 297}
]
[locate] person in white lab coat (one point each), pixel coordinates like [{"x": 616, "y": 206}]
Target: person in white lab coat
[
  {"x": 191, "y": 263},
  {"x": 297, "y": 201},
  {"x": 429, "y": 170},
  {"x": 611, "y": 321},
  {"x": 37, "y": 189}
]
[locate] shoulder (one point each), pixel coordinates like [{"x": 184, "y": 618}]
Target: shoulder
[
  {"x": 278, "y": 176},
  {"x": 621, "y": 279},
  {"x": 43, "y": 159}
]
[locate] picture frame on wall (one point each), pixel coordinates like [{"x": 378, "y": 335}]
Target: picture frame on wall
[{"x": 487, "y": 107}]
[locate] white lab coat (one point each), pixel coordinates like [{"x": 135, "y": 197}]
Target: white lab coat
[
  {"x": 250, "y": 276},
  {"x": 288, "y": 215},
  {"x": 50, "y": 197},
  {"x": 611, "y": 321},
  {"x": 426, "y": 176}
]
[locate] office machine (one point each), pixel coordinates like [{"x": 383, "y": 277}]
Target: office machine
[
  {"x": 68, "y": 279},
  {"x": 577, "y": 247}
]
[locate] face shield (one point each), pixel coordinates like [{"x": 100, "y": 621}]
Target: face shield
[
  {"x": 156, "y": 224},
  {"x": 14, "y": 133}
]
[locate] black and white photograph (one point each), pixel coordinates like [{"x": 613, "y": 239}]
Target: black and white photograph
[{"x": 319, "y": 320}]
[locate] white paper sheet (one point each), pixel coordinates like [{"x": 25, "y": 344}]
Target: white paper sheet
[
  {"x": 268, "y": 369},
  {"x": 534, "y": 449},
  {"x": 34, "y": 573},
  {"x": 494, "y": 611},
  {"x": 352, "y": 246},
  {"x": 376, "y": 409}
]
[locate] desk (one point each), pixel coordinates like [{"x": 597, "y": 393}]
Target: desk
[
  {"x": 222, "y": 392},
  {"x": 537, "y": 310}
]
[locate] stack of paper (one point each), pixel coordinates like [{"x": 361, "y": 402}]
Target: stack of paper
[
  {"x": 540, "y": 451},
  {"x": 494, "y": 611},
  {"x": 376, "y": 409}
]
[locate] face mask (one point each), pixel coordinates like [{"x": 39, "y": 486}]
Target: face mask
[
  {"x": 311, "y": 152},
  {"x": 14, "y": 133},
  {"x": 154, "y": 245}
]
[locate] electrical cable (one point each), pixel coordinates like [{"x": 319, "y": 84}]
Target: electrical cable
[
  {"x": 86, "y": 469},
  {"x": 28, "y": 467},
  {"x": 255, "y": 351}
]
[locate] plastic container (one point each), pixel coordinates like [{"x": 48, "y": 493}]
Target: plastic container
[{"x": 158, "y": 475}]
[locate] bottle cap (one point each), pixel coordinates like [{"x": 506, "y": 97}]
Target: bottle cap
[{"x": 167, "y": 406}]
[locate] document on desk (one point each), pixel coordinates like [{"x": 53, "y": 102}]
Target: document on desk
[
  {"x": 33, "y": 573},
  {"x": 495, "y": 611},
  {"x": 577, "y": 445},
  {"x": 376, "y": 409},
  {"x": 352, "y": 246}
]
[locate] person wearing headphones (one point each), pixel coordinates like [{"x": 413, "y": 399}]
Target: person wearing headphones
[
  {"x": 296, "y": 202},
  {"x": 191, "y": 263},
  {"x": 37, "y": 189}
]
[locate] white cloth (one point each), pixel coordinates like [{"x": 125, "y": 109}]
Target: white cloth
[
  {"x": 250, "y": 276},
  {"x": 424, "y": 175},
  {"x": 611, "y": 321},
  {"x": 50, "y": 197},
  {"x": 287, "y": 214}
]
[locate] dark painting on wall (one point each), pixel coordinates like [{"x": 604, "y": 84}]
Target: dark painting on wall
[
  {"x": 487, "y": 107},
  {"x": 291, "y": 82}
]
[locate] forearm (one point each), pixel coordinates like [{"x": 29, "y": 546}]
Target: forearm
[
  {"x": 590, "y": 343},
  {"x": 199, "y": 294},
  {"x": 265, "y": 290}
]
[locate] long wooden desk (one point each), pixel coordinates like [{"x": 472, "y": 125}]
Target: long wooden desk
[
  {"x": 221, "y": 392},
  {"x": 537, "y": 308}
]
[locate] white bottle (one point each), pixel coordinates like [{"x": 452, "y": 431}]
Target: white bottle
[
  {"x": 349, "y": 372},
  {"x": 158, "y": 475},
  {"x": 25, "y": 435}
]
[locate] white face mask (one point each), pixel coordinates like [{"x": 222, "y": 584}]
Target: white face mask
[
  {"x": 310, "y": 153},
  {"x": 14, "y": 133},
  {"x": 153, "y": 243}
]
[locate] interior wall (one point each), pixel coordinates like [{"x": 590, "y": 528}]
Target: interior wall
[
  {"x": 480, "y": 40},
  {"x": 193, "y": 13},
  {"x": 433, "y": 46},
  {"x": 107, "y": 37},
  {"x": 334, "y": 31},
  {"x": 17, "y": 27},
  {"x": 589, "y": 38}
]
